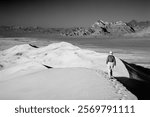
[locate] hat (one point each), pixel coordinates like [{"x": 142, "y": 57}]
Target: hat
[{"x": 110, "y": 52}]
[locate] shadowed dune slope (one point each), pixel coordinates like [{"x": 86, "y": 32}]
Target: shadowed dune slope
[
  {"x": 139, "y": 81},
  {"x": 138, "y": 72}
]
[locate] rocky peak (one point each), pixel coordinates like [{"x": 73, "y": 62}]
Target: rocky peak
[
  {"x": 101, "y": 23},
  {"x": 119, "y": 23}
]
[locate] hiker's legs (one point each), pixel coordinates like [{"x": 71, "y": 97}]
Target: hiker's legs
[
  {"x": 110, "y": 69},
  {"x": 110, "y": 73}
]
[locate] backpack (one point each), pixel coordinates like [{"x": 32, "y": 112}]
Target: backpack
[{"x": 111, "y": 58}]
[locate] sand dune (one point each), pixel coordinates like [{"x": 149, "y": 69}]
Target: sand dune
[
  {"x": 77, "y": 74},
  {"x": 59, "y": 55},
  {"x": 67, "y": 83}
]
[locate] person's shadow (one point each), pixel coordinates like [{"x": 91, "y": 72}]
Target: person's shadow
[{"x": 139, "y": 81}]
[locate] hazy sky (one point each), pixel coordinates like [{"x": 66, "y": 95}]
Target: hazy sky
[{"x": 69, "y": 13}]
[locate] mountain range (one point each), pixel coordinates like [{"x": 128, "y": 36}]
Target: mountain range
[
  {"x": 119, "y": 28},
  {"x": 99, "y": 28}
]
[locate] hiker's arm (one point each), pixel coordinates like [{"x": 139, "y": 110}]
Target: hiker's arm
[
  {"x": 107, "y": 60},
  {"x": 114, "y": 61}
]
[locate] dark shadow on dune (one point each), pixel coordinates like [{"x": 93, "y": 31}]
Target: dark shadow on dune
[
  {"x": 33, "y": 46},
  {"x": 139, "y": 81},
  {"x": 139, "y": 88},
  {"x": 1, "y": 66},
  {"x": 138, "y": 72},
  {"x": 49, "y": 67}
]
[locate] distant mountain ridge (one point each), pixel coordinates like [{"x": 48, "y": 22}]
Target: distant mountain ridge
[
  {"x": 139, "y": 25},
  {"x": 29, "y": 29},
  {"x": 99, "y": 28}
]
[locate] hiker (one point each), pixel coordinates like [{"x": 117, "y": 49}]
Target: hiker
[{"x": 111, "y": 62}]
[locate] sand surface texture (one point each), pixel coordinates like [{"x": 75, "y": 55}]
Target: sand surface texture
[{"x": 58, "y": 71}]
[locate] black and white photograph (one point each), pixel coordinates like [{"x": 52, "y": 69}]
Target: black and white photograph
[{"x": 74, "y": 50}]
